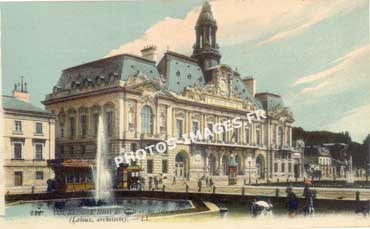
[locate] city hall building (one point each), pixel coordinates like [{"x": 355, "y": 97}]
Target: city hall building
[{"x": 144, "y": 102}]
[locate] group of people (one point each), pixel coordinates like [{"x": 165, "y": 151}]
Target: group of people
[
  {"x": 209, "y": 183},
  {"x": 154, "y": 183},
  {"x": 309, "y": 196}
]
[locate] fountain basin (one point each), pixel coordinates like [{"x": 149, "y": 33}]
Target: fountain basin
[{"x": 83, "y": 207}]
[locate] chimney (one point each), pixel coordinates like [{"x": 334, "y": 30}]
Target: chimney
[
  {"x": 149, "y": 52},
  {"x": 250, "y": 83},
  {"x": 20, "y": 91}
]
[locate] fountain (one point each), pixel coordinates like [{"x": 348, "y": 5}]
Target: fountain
[
  {"x": 103, "y": 179},
  {"x": 349, "y": 176}
]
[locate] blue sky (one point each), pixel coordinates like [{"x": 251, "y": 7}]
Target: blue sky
[{"x": 314, "y": 53}]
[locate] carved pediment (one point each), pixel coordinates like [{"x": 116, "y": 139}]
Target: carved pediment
[{"x": 194, "y": 93}]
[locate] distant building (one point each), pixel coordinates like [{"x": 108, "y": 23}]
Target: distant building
[
  {"x": 29, "y": 141},
  {"x": 327, "y": 160}
]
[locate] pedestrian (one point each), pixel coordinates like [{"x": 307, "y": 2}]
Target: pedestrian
[
  {"x": 150, "y": 183},
  {"x": 156, "y": 182},
  {"x": 199, "y": 185},
  {"x": 309, "y": 197},
  {"x": 33, "y": 189},
  {"x": 292, "y": 202}
]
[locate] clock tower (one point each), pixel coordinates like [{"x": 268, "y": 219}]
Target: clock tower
[{"x": 205, "y": 49}]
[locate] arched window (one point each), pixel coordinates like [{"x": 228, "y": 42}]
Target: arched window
[
  {"x": 147, "y": 120},
  {"x": 280, "y": 137}
]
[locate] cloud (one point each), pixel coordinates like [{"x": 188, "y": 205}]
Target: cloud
[
  {"x": 240, "y": 21},
  {"x": 350, "y": 72},
  {"x": 356, "y": 121},
  {"x": 314, "y": 12},
  {"x": 344, "y": 62}
]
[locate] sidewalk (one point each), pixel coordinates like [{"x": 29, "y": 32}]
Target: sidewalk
[{"x": 223, "y": 188}]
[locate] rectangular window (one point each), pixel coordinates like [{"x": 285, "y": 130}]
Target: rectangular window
[
  {"x": 223, "y": 134},
  {"x": 163, "y": 120},
  {"x": 247, "y": 135},
  {"x": 18, "y": 178},
  {"x": 149, "y": 166},
  {"x": 83, "y": 125},
  {"x": 39, "y": 175},
  {"x": 164, "y": 166},
  {"x": 39, "y": 128},
  {"x": 133, "y": 147},
  {"x": 83, "y": 149},
  {"x": 258, "y": 136},
  {"x": 195, "y": 127},
  {"x": 276, "y": 167},
  {"x": 179, "y": 128},
  {"x": 289, "y": 167},
  {"x": 210, "y": 127},
  {"x": 18, "y": 150},
  {"x": 109, "y": 117},
  {"x": 235, "y": 137},
  {"x": 283, "y": 167},
  {"x": 38, "y": 153},
  {"x": 61, "y": 150},
  {"x": 18, "y": 126},
  {"x": 72, "y": 126},
  {"x": 96, "y": 123}
]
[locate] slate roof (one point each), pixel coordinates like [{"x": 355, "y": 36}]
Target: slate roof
[
  {"x": 238, "y": 86},
  {"x": 181, "y": 72},
  {"x": 121, "y": 65},
  {"x": 12, "y": 103},
  {"x": 270, "y": 101}
]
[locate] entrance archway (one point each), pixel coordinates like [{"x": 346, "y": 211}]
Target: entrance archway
[
  {"x": 260, "y": 167},
  {"x": 212, "y": 161},
  {"x": 181, "y": 166}
]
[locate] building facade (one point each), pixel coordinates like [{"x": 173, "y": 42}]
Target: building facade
[
  {"x": 144, "y": 102},
  {"x": 29, "y": 141}
]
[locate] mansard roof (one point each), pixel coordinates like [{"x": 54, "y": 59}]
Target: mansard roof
[
  {"x": 121, "y": 66},
  {"x": 270, "y": 101},
  {"x": 180, "y": 71},
  {"x": 239, "y": 87}
]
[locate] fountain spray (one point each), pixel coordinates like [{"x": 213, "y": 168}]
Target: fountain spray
[{"x": 103, "y": 179}]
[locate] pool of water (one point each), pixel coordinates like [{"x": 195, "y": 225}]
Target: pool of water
[{"x": 87, "y": 207}]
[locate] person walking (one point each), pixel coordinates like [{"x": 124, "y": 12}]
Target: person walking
[
  {"x": 309, "y": 197},
  {"x": 199, "y": 185},
  {"x": 292, "y": 202},
  {"x": 155, "y": 182}
]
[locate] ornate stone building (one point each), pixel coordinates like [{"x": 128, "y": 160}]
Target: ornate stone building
[{"x": 145, "y": 102}]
